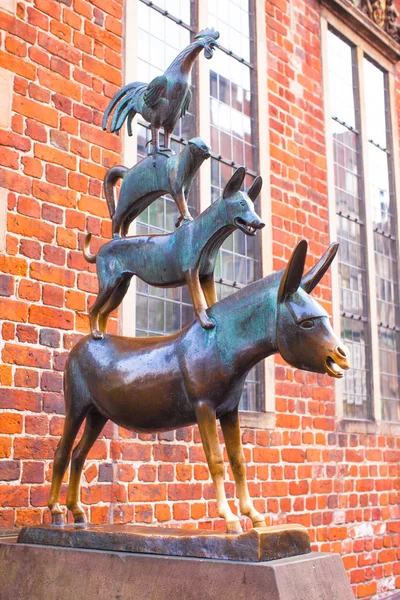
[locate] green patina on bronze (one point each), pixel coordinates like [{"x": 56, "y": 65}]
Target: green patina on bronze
[
  {"x": 151, "y": 178},
  {"x": 188, "y": 255},
  {"x": 196, "y": 376},
  {"x": 166, "y": 98}
]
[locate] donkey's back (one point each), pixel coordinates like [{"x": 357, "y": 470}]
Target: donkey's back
[{"x": 141, "y": 384}]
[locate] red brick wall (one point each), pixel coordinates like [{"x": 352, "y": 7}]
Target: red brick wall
[{"x": 67, "y": 63}]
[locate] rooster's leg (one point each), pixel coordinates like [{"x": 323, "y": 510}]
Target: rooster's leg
[
  {"x": 155, "y": 144},
  {"x": 167, "y": 138},
  {"x": 154, "y": 139}
]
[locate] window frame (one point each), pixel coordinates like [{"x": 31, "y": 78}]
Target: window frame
[
  {"x": 264, "y": 419},
  {"x": 361, "y": 48}
]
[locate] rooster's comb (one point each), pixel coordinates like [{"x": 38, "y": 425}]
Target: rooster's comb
[{"x": 207, "y": 33}]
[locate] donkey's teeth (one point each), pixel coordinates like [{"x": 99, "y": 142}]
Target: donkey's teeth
[{"x": 333, "y": 369}]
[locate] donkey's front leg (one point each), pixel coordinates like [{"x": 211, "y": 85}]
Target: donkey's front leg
[
  {"x": 207, "y": 422},
  {"x": 198, "y": 299},
  {"x": 231, "y": 429}
]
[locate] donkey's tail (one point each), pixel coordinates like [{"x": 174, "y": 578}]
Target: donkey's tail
[
  {"x": 110, "y": 179},
  {"x": 91, "y": 258}
]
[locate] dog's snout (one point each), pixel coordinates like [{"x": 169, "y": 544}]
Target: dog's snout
[{"x": 257, "y": 224}]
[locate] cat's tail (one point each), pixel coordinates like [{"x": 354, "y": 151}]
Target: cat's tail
[
  {"x": 91, "y": 258},
  {"x": 110, "y": 179}
]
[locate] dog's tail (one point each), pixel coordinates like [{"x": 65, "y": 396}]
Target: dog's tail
[
  {"x": 91, "y": 258},
  {"x": 110, "y": 179}
]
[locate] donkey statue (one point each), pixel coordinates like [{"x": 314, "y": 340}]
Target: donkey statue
[
  {"x": 188, "y": 255},
  {"x": 196, "y": 376}
]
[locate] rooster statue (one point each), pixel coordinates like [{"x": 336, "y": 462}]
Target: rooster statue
[{"x": 164, "y": 100}]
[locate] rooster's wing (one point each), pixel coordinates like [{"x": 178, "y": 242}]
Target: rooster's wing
[
  {"x": 186, "y": 103},
  {"x": 155, "y": 90}
]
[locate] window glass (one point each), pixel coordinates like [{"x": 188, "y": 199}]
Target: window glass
[
  {"x": 233, "y": 141},
  {"x": 162, "y": 311},
  {"x": 350, "y": 226},
  {"x": 385, "y": 239}
]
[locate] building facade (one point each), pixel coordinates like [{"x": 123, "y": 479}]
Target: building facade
[{"x": 305, "y": 93}]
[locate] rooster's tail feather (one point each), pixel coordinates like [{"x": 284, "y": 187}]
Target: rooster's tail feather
[{"x": 131, "y": 91}]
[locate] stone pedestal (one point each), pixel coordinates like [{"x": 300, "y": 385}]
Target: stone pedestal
[{"x": 37, "y": 572}]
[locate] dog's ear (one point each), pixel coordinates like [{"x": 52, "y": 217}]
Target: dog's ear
[
  {"x": 255, "y": 188},
  {"x": 235, "y": 183}
]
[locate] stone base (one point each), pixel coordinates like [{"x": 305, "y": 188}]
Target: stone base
[
  {"x": 258, "y": 544},
  {"x": 56, "y": 573}
]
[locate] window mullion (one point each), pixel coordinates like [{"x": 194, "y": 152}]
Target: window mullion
[
  {"x": 369, "y": 235},
  {"x": 335, "y": 288},
  {"x": 203, "y": 109},
  {"x": 395, "y": 149},
  {"x": 264, "y": 201},
  {"x": 127, "y": 313}
]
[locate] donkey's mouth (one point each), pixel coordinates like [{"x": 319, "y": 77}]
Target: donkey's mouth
[
  {"x": 333, "y": 369},
  {"x": 245, "y": 227}
]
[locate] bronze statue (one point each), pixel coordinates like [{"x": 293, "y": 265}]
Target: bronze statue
[
  {"x": 159, "y": 383},
  {"x": 188, "y": 255},
  {"x": 164, "y": 100},
  {"x": 149, "y": 179}
]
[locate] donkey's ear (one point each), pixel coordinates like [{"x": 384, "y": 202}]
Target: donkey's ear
[
  {"x": 235, "y": 182},
  {"x": 314, "y": 275},
  {"x": 255, "y": 188},
  {"x": 291, "y": 277}
]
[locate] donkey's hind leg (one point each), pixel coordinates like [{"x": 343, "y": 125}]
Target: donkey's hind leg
[
  {"x": 61, "y": 460},
  {"x": 93, "y": 426}
]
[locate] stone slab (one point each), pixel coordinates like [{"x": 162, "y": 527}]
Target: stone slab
[
  {"x": 49, "y": 573},
  {"x": 258, "y": 544}
]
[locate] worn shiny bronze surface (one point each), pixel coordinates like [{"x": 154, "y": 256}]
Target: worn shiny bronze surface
[
  {"x": 259, "y": 544},
  {"x": 196, "y": 376},
  {"x": 188, "y": 255},
  {"x": 151, "y": 178},
  {"x": 164, "y": 100}
]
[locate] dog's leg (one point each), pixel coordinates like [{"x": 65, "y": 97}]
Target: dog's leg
[
  {"x": 231, "y": 430},
  {"x": 103, "y": 297},
  {"x": 113, "y": 303},
  {"x": 198, "y": 299},
  {"x": 210, "y": 293},
  {"x": 180, "y": 202}
]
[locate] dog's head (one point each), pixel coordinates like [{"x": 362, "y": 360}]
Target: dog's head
[{"x": 240, "y": 205}]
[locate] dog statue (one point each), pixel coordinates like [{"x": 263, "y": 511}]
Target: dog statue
[
  {"x": 187, "y": 255},
  {"x": 151, "y": 178}
]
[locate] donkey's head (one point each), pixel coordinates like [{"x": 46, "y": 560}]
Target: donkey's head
[
  {"x": 305, "y": 338},
  {"x": 240, "y": 205}
]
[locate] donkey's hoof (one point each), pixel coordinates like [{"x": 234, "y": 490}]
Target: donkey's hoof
[
  {"x": 233, "y": 527},
  {"x": 259, "y": 523},
  {"x": 80, "y": 518},
  {"x": 57, "y": 518}
]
